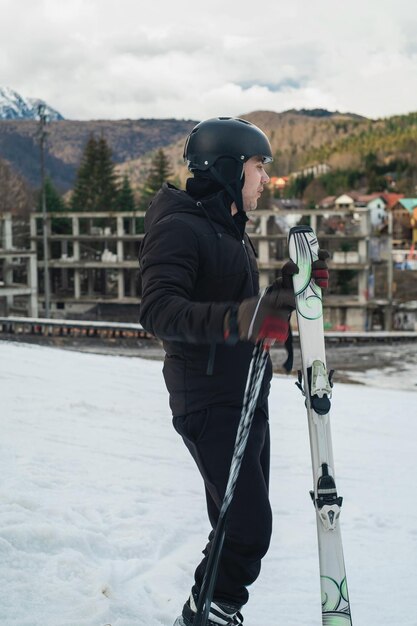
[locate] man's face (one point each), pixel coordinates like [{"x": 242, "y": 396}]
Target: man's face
[{"x": 255, "y": 179}]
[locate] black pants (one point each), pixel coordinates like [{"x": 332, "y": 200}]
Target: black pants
[{"x": 210, "y": 437}]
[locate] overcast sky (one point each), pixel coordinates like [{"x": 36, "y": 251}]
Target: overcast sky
[{"x": 96, "y": 59}]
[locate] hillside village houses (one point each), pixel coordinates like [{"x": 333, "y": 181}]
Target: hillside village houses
[
  {"x": 379, "y": 205},
  {"x": 278, "y": 183},
  {"x": 317, "y": 169}
]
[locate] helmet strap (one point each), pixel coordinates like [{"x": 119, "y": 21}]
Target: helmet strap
[{"x": 232, "y": 184}]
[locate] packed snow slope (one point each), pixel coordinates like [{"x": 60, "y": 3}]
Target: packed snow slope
[{"x": 102, "y": 514}]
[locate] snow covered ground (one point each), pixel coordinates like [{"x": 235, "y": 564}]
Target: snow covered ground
[{"x": 102, "y": 514}]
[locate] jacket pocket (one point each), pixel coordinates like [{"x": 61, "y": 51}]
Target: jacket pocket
[{"x": 192, "y": 426}]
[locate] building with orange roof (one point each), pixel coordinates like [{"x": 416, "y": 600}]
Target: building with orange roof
[{"x": 278, "y": 183}]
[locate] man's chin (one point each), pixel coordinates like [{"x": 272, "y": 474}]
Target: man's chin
[{"x": 250, "y": 206}]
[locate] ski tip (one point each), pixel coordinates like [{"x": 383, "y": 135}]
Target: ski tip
[{"x": 300, "y": 229}]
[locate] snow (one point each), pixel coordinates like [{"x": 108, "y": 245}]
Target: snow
[
  {"x": 14, "y": 106},
  {"x": 102, "y": 514}
]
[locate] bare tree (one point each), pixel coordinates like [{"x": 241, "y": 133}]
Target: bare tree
[{"x": 15, "y": 195}]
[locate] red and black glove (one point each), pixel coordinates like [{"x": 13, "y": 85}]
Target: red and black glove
[
  {"x": 320, "y": 270},
  {"x": 267, "y": 315},
  {"x": 263, "y": 317}
]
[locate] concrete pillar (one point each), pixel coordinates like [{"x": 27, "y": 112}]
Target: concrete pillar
[
  {"x": 8, "y": 245},
  {"x": 76, "y": 248},
  {"x": 390, "y": 276},
  {"x": 32, "y": 226},
  {"x": 75, "y": 233},
  {"x": 7, "y": 232},
  {"x": 263, "y": 246},
  {"x": 133, "y": 284},
  {"x": 77, "y": 284},
  {"x": 363, "y": 252},
  {"x": 120, "y": 259},
  {"x": 64, "y": 271},
  {"x": 264, "y": 279},
  {"x": 33, "y": 284},
  {"x": 264, "y": 224},
  {"x": 120, "y": 283},
  {"x": 120, "y": 233},
  {"x": 313, "y": 222},
  {"x": 33, "y": 270},
  {"x": 8, "y": 272}
]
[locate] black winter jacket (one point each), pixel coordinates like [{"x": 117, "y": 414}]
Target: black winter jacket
[{"x": 195, "y": 265}]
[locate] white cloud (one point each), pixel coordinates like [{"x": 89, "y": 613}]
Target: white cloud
[{"x": 95, "y": 59}]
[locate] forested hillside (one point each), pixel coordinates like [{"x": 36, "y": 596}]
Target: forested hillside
[{"x": 356, "y": 148}]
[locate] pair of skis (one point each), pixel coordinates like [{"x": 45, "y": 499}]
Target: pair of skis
[{"x": 316, "y": 385}]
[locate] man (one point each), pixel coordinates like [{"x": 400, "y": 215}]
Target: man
[{"x": 200, "y": 296}]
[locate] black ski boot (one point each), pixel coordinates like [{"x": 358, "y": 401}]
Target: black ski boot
[{"x": 221, "y": 613}]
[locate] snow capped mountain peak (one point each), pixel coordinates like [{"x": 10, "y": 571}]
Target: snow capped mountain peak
[{"x": 13, "y": 106}]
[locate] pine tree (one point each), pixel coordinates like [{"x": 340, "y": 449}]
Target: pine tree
[
  {"x": 54, "y": 204},
  {"x": 125, "y": 198},
  {"x": 107, "y": 191},
  {"x": 159, "y": 173},
  {"x": 95, "y": 186},
  {"x": 83, "y": 198}
]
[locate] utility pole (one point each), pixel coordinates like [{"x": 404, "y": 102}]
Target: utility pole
[
  {"x": 42, "y": 138},
  {"x": 390, "y": 276}
]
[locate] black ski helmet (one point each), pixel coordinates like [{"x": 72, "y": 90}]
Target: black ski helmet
[
  {"x": 229, "y": 137},
  {"x": 220, "y": 146}
]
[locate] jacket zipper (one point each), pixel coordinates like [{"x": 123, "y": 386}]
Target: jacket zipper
[{"x": 248, "y": 265}]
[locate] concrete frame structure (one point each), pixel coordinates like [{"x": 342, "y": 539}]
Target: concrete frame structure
[
  {"x": 97, "y": 261},
  {"x": 12, "y": 259},
  {"x": 353, "y": 312},
  {"x": 100, "y": 249}
]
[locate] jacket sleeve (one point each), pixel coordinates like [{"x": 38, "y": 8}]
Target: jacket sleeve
[{"x": 169, "y": 261}]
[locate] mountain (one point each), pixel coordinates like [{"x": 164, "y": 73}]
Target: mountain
[
  {"x": 323, "y": 113},
  {"x": 293, "y": 135},
  {"x": 298, "y": 137},
  {"x": 15, "y": 107},
  {"x": 129, "y": 140},
  {"x": 342, "y": 140}
]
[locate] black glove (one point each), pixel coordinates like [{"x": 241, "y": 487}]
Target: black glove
[
  {"x": 285, "y": 280},
  {"x": 265, "y": 316}
]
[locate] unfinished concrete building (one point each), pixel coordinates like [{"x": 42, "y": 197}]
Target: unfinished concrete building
[
  {"x": 18, "y": 272},
  {"x": 93, "y": 262}
]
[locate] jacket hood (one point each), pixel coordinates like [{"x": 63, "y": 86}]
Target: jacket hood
[{"x": 170, "y": 200}]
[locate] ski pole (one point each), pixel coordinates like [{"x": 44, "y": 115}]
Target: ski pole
[{"x": 253, "y": 386}]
